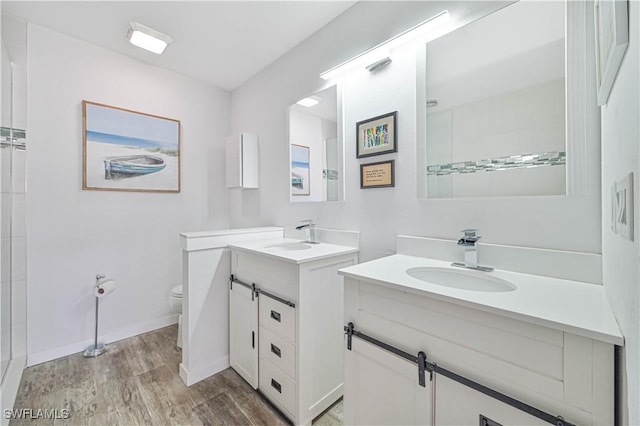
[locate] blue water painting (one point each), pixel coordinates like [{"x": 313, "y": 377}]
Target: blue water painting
[
  {"x": 127, "y": 128},
  {"x": 122, "y": 140}
]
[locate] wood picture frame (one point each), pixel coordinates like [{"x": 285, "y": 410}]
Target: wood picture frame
[
  {"x": 612, "y": 38},
  {"x": 378, "y": 175},
  {"x": 377, "y": 135},
  {"x": 125, "y": 150}
]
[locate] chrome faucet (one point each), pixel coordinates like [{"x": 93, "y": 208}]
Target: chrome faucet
[
  {"x": 468, "y": 241},
  {"x": 308, "y": 223}
]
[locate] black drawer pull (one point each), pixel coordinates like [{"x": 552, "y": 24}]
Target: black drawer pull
[
  {"x": 486, "y": 421},
  {"x": 276, "y": 315},
  {"x": 277, "y": 386},
  {"x": 276, "y": 350}
]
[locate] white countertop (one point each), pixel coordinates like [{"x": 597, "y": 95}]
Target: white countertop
[
  {"x": 269, "y": 247},
  {"x": 223, "y": 232},
  {"x": 564, "y": 305}
]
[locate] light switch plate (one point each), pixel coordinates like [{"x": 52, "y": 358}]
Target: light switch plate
[{"x": 622, "y": 207}]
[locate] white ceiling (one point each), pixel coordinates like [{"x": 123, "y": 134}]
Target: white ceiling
[{"x": 220, "y": 42}]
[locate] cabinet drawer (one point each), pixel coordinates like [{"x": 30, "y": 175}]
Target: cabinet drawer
[
  {"x": 277, "y": 385},
  {"x": 278, "y": 351},
  {"x": 278, "y": 317}
]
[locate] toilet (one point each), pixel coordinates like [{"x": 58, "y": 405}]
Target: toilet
[{"x": 175, "y": 302}]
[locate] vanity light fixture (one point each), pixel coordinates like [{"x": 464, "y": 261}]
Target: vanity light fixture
[
  {"x": 309, "y": 102},
  {"x": 147, "y": 38},
  {"x": 378, "y": 56}
]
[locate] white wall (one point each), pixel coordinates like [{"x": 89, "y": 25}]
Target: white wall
[
  {"x": 379, "y": 214},
  {"x": 133, "y": 237},
  {"x": 620, "y": 155}
]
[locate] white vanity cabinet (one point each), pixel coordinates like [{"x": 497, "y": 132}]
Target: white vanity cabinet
[
  {"x": 298, "y": 324},
  {"x": 562, "y": 369}
]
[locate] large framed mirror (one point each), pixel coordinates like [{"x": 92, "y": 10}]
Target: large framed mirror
[
  {"x": 316, "y": 148},
  {"x": 495, "y": 106}
]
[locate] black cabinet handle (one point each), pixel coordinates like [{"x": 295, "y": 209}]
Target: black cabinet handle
[
  {"x": 486, "y": 421},
  {"x": 276, "y": 315},
  {"x": 277, "y": 386},
  {"x": 253, "y": 339},
  {"x": 276, "y": 350}
]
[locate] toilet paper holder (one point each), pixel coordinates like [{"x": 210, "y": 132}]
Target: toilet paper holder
[{"x": 103, "y": 287}]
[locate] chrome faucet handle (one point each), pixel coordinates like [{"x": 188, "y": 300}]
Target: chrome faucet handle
[
  {"x": 308, "y": 223},
  {"x": 470, "y": 233}
]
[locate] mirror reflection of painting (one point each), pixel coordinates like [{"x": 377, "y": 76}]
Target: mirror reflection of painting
[
  {"x": 130, "y": 151},
  {"x": 300, "y": 170},
  {"x": 313, "y": 123}
]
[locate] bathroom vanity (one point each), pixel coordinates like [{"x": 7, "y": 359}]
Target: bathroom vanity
[
  {"x": 286, "y": 319},
  {"x": 498, "y": 348}
]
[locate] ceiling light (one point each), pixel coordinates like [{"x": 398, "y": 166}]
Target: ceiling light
[
  {"x": 421, "y": 30},
  {"x": 147, "y": 38},
  {"x": 309, "y": 102}
]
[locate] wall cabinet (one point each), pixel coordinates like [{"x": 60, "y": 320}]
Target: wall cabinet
[
  {"x": 242, "y": 161},
  {"x": 298, "y": 322}
]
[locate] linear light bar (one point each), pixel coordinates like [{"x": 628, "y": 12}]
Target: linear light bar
[
  {"x": 147, "y": 38},
  {"x": 363, "y": 59}
]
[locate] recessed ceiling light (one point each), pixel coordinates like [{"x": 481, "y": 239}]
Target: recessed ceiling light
[
  {"x": 147, "y": 38},
  {"x": 309, "y": 102}
]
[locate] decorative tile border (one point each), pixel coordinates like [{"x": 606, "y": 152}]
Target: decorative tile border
[
  {"x": 521, "y": 161},
  {"x": 19, "y": 138},
  {"x": 330, "y": 174}
]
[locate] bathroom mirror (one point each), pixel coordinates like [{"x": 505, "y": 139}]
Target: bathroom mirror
[
  {"x": 494, "y": 108},
  {"x": 316, "y": 149}
]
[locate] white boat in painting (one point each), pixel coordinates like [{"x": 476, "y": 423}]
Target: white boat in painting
[{"x": 132, "y": 165}]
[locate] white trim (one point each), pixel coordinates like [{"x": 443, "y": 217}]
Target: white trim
[
  {"x": 192, "y": 241},
  {"x": 11, "y": 384},
  {"x": 134, "y": 330},
  {"x": 619, "y": 35},
  {"x": 204, "y": 371}
]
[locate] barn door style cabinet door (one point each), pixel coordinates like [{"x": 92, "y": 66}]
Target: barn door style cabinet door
[
  {"x": 243, "y": 331},
  {"x": 382, "y": 389}
]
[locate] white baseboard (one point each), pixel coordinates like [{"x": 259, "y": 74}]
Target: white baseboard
[
  {"x": 11, "y": 384},
  {"x": 201, "y": 373},
  {"x": 134, "y": 330}
]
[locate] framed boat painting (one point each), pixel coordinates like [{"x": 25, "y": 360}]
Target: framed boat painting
[{"x": 125, "y": 150}]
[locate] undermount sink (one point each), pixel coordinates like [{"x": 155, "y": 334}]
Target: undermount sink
[
  {"x": 290, "y": 246},
  {"x": 461, "y": 279}
]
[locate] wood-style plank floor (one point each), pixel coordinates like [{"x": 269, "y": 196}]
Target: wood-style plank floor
[{"x": 136, "y": 382}]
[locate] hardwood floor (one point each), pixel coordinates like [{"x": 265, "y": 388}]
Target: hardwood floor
[{"x": 136, "y": 382}]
